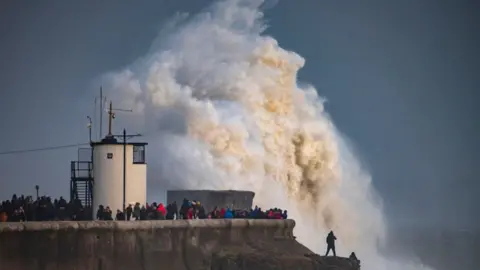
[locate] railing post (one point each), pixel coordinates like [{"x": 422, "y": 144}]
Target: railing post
[{"x": 72, "y": 169}]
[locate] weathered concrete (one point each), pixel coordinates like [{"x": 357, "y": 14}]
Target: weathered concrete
[
  {"x": 178, "y": 244},
  {"x": 236, "y": 199}
]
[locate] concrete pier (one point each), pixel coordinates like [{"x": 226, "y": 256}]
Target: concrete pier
[{"x": 165, "y": 244}]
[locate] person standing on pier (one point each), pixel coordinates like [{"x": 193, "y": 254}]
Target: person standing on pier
[{"x": 331, "y": 243}]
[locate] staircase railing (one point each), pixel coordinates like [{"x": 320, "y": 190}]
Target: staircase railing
[{"x": 81, "y": 186}]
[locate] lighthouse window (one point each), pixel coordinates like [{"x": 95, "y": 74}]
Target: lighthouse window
[{"x": 138, "y": 154}]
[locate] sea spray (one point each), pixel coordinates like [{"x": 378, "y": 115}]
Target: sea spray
[{"x": 226, "y": 112}]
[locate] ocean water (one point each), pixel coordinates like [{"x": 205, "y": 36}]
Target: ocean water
[{"x": 442, "y": 248}]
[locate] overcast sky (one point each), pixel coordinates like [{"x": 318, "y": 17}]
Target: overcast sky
[{"x": 401, "y": 79}]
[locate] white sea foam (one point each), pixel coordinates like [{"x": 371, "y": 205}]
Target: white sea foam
[{"x": 224, "y": 104}]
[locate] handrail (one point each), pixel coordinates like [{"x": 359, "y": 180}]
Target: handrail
[{"x": 77, "y": 168}]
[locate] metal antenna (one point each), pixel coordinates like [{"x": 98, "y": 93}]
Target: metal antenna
[
  {"x": 101, "y": 111},
  {"x": 111, "y": 116},
  {"x": 95, "y": 115},
  {"x": 89, "y": 126}
]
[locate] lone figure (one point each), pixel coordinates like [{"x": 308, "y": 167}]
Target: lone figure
[
  {"x": 355, "y": 260},
  {"x": 331, "y": 243}
]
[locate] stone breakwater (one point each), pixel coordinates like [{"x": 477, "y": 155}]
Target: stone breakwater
[{"x": 166, "y": 244}]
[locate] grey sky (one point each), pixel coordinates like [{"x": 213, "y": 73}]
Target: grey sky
[{"x": 401, "y": 78}]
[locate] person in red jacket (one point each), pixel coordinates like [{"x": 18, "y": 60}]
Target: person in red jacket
[
  {"x": 3, "y": 217},
  {"x": 190, "y": 213},
  {"x": 162, "y": 211}
]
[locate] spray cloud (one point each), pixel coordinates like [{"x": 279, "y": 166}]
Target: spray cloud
[{"x": 226, "y": 112}]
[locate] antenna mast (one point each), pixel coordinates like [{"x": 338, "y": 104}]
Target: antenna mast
[
  {"x": 101, "y": 111},
  {"x": 89, "y": 126},
  {"x": 111, "y": 116}
]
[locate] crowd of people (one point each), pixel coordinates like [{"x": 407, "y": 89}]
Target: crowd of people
[
  {"x": 25, "y": 208},
  {"x": 190, "y": 209}
]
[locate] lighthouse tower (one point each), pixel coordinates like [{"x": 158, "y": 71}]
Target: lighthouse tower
[
  {"x": 112, "y": 185},
  {"x": 119, "y": 171}
]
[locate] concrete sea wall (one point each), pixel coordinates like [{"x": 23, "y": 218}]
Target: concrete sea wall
[{"x": 166, "y": 244}]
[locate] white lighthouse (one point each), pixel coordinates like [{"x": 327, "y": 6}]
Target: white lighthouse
[
  {"x": 111, "y": 181},
  {"x": 119, "y": 171}
]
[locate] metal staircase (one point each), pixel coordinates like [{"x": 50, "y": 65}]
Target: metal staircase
[{"x": 81, "y": 183}]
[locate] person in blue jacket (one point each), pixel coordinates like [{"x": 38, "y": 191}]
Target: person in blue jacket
[{"x": 228, "y": 213}]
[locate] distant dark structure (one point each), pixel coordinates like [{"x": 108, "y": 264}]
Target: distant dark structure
[{"x": 235, "y": 199}]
